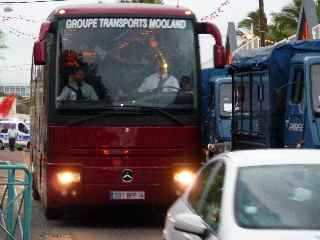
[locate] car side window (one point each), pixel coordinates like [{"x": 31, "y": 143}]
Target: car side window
[
  {"x": 198, "y": 187},
  {"x": 23, "y": 128},
  {"x": 211, "y": 207}
]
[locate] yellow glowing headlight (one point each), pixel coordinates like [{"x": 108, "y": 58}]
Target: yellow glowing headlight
[
  {"x": 184, "y": 178},
  {"x": 66, "y": 178}
]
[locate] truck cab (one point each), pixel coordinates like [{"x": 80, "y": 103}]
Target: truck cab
[
  {"x": 276, "y": 97},
  {"x": 303, "y": 102},
  {"x": 217, "y": 109}
]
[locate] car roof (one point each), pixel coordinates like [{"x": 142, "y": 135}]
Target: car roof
[{"x": 250, "y": 158}]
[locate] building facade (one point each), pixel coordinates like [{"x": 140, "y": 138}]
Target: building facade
[{"x": 22, "y": 91}]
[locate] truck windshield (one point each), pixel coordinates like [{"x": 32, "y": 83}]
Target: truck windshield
[
  {"x": 315, "y": 82},
  {"x": 105, "y": 62},
  {"x": 226, "y": 100},
  {"x": 293, "y": 204}
]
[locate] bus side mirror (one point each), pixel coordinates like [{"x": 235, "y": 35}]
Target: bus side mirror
[
  {"x": 39, "y": 54},
  {"x": 39, "y": 48},
  {"x": 219, "y": 52}
]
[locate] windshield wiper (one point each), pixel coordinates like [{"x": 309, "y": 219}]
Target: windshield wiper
[
  {"x": 158, "y": 110},
  {"x": 109, "y": 113},
  {"x": 127, "y": 110}
]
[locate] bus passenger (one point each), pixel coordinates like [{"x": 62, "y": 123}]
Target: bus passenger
[{"x": 77, "y": 89}]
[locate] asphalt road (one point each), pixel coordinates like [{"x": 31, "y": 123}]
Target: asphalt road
[{"x": 95, "y": 224}]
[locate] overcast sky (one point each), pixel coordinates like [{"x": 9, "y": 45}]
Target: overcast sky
[{"x": 19, "y": 47}]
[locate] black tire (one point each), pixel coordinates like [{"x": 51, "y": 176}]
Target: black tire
[
  {"x": 52, "y": 213},
  {"x": 35, "y": 193}
]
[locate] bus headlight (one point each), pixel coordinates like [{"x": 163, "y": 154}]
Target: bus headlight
[
  {"x": 68, "y": 177},
  {"x": 184, "y": 177}
]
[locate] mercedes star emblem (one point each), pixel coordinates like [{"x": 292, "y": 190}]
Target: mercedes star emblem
[{"x": 127, "y": 176}]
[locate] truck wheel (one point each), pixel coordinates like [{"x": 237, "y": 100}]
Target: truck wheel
[
  {"x": 52, "y": 213},
  {"x": 35, "y": 193}
]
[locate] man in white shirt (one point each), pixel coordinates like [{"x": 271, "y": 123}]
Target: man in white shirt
[
  {"x": 12, "y": 134},
  {"x": 77, "y": 89},
  {"x": 161, "y": 81}
]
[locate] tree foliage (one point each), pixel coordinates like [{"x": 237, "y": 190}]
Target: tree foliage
[{"x": 283, "y": 24}]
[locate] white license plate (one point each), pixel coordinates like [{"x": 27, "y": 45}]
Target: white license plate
[{"x": 126, "y": 195}]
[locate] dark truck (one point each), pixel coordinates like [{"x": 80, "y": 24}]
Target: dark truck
[
  {"x": 276, "y": 97},
  {"x": 217, "y": 108}
]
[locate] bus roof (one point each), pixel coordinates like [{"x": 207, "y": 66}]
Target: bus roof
[{"x": 124, "y": 9}]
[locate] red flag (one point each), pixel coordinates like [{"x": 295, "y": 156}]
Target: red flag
[{"x": 6, "y": 105}]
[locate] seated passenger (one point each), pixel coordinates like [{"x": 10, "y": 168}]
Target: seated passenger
[
  {"x": 161, "y": 81},
  {"x": 186, "y": 85},
  {"x": 77, "y": 89}
]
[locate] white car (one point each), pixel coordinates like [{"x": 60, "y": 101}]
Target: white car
[
  {"x": 23, "y": 138},
  {"x": 258, "y": 194}
]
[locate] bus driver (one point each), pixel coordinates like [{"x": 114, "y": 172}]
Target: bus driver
[
  {"x": 161, "y": 80},
  {"x": 77, "y": 89}
]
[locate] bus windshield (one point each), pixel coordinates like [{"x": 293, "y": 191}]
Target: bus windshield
[{"x": 111, "y": 62}]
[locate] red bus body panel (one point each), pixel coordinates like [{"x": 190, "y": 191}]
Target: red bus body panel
[
  {"x": 101, "y": 154},
  {"x": 124, "y": 9}
]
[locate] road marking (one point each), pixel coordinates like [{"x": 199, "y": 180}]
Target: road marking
[{"x": 58, "y": 236}]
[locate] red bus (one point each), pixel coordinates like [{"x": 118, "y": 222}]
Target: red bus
[{"x": 116, "y": 104}]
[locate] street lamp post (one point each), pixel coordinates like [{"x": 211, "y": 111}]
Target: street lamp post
[{"x": 263, "y": 23}]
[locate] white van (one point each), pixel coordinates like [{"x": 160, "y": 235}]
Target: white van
[{"x": 23, "y": 139}]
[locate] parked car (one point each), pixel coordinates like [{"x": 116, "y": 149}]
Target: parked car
[
  {"x": 258, "y": 194},
  {"x": 23, "y": 138}
]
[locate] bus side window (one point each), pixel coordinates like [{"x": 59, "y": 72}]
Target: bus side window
[{"x": 297, "y": 85}]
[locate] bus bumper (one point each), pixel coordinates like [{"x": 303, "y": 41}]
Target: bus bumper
[{"x": 97, "y": 186}]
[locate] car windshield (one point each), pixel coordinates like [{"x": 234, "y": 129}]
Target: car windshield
[
  {"x": 315, "y": 82},
  {"x": 4, "y": 126},
  {"x": 105, "y": 62},
  {"x": 226, "y": 100},
  {"x": 278, "y": 197}
]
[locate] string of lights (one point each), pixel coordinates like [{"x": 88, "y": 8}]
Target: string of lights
[
  {"x": 18, "y": 18},
  {"x": 21, "y": 67},
  {"x": 18, "y": 33},
  {"x": 216, "y": 13}
]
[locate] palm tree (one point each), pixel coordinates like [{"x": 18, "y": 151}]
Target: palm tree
[
  {"x": 285, "y": 23},
  {"x": 252, "y": 19}
]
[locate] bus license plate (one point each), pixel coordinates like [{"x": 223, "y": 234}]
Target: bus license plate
[{"x": 126, "y": 195}]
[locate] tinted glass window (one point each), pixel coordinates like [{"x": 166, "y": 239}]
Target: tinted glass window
[
  {"x": 5, "y": 126},
  {"x": 213, "y": 196},
  {"x": 278, "y": 197},
  {"x": 297, "y": 86},
  {"x": 226, "y": 100},
  {"x": 246, "y": 94},
  {"x": 315, "y": 81},
  {"x": 23, "y": 128},
  {"x": 107, "y": 62},
  {"x": 198, "y": 188}
]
